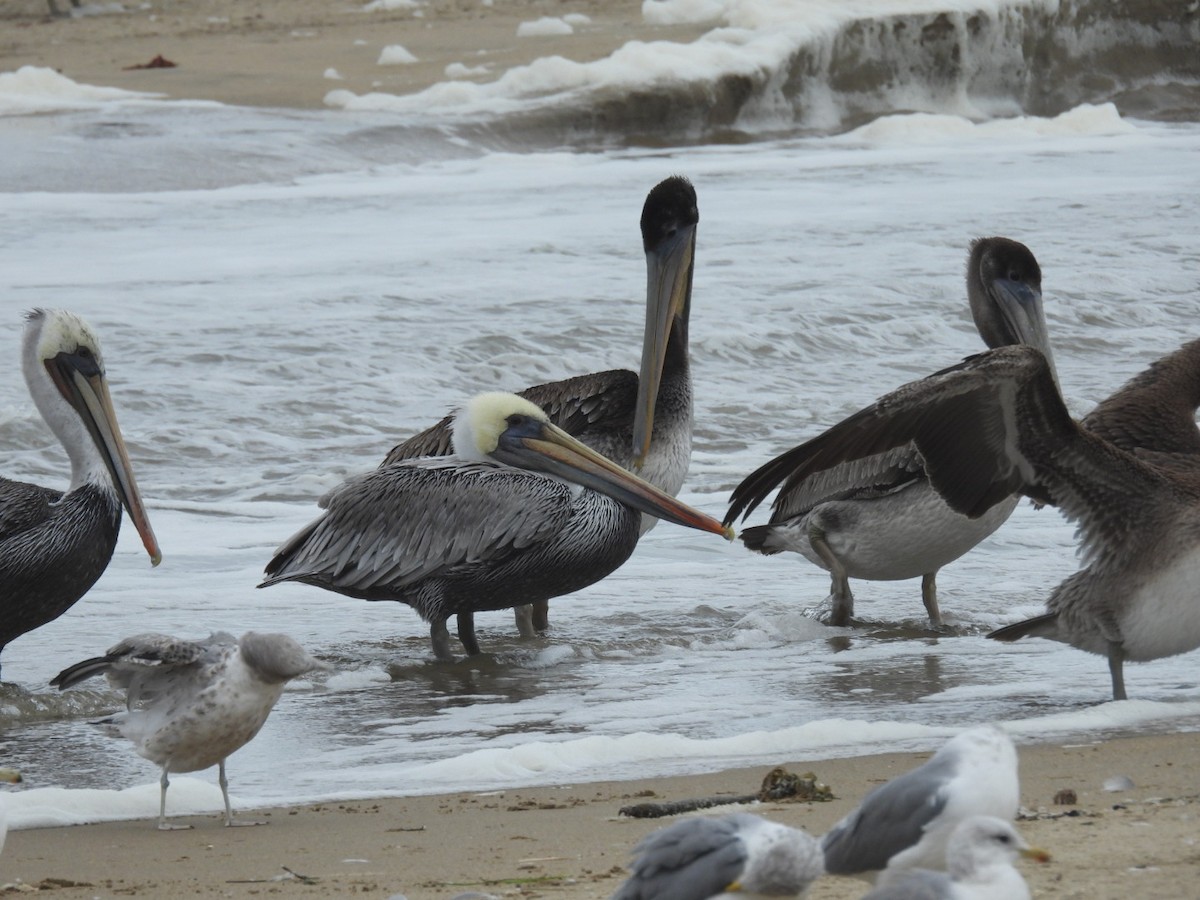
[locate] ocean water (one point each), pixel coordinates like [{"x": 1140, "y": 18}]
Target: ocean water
[{"x": 281, "y": 296}]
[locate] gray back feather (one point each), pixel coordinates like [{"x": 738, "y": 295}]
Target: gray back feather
[
  {"x": 891, "y": 818},
  {"x": 693, "y": 859},
  {"x": 394, "y": 526}
]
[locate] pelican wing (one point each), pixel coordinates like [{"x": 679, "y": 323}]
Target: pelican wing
[
  {"x": 871, "y": 476},
  {"x": 1155, "y": 412},
  {"x": 390, "y": 528},
  {"x": 22, "y": 506},
  {"x": 574, "y": 404},
  {"x": 992, "y": 426}
]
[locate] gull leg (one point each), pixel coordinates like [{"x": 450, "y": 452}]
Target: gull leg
[
  {"x": 466, "y": 633},
  {"x": 163, "y": 784},
  {"x": 523, "y": 615},
  {"x": 230, "y": 822},
  {"x": 1116, "y": 667},
  {"x": 439, "y": 636},
  {"x": 929, "y": 598},
  {"x": 839, "y": 590}
]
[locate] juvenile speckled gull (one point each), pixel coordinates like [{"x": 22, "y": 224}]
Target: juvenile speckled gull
[
  {"x": 190, "y": 704},
  {"x": 741, "y": 853},
  {"x": 979, "y": 864},
  {"x": 907, "y": 822}
]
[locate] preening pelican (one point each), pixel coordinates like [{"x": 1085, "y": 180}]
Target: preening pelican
[
  {"x": 522, "y": 512},
  {"x": 879, "y": 519},
  {"x": 640, "y": 420},
  {"x": 54, "y": 545},
  {"x": 1128, "y": 475}
]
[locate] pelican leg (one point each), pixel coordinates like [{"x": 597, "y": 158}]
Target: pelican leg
[
  {"x": 163, "y": 784},
  {"x": 1116, "y": 667},
  {"x": 541, "y": 615},
  {"x": 839, "y": 590},
  {"x": 230, "y": 822},
  {"x": 466, "y": 633},
  {"x": 439, "y": 636},
  {"x": 523, "y": 615},
  {"x": 929, "y": 598}
]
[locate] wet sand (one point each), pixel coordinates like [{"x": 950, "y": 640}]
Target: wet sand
[
  {"x": 569, "y": 841},
  {"x": 557, "y": 841}
]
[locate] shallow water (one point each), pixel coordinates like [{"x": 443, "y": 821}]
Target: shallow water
[{"x": 267, "y": 338}]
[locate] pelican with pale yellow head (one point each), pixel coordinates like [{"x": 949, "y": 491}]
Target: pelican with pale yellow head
[
  {"x": 520, "y": 513},
  {"x": 641, "y": 420},
  {"x": 54, "y": 545}
]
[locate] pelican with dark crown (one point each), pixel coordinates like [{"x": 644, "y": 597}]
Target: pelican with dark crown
[
  {"x": 1128, "y": 475},
  {"x": 520, "y": 513},
  {"x": 879, "y": 519},
  {"x": 641, "y": 420},
  {"x": 54, "y": 545}
]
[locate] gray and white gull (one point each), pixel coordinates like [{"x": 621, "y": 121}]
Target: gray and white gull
[
  {"x": 190, "y": 704},
  {"x": 907, "y": 822},
  {"x": 979, "y": 866},
  {"x": 737, "y": 855}
]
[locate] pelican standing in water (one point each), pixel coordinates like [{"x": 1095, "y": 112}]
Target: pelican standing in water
[
  {"x": 55, "y": 545},
  {"x": 879, "y": 519},
  {"x": 522, "y": 512},
  {"x": 1128, "y": 476},
  {"x": 640, "y": 420}
]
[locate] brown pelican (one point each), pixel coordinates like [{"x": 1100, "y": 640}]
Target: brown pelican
[
  {"x": 522, "y": 512},
  {"x": 640, "y": 420},
  {"x": 191, "y": 704},
  {"x": 54, "y": 545},
  {"x": 879, "y": 519},
  {"x": 1128, "y": 476}
]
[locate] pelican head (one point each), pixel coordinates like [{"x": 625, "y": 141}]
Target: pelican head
[
  {"x": 669, "y": 220},
  {"x": 65, "y": 373},
  {"x": 509, "y": 429},
  {"x": 1004, "y": 286}
]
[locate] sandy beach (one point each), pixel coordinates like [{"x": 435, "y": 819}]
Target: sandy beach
[
  {"x": 556, "y": 841},
  {"x": 276, "y": 52},
  {"x": 569, "y": 841}
]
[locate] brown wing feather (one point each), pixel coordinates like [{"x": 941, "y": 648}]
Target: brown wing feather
[{"x": 575, "y": 405}]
